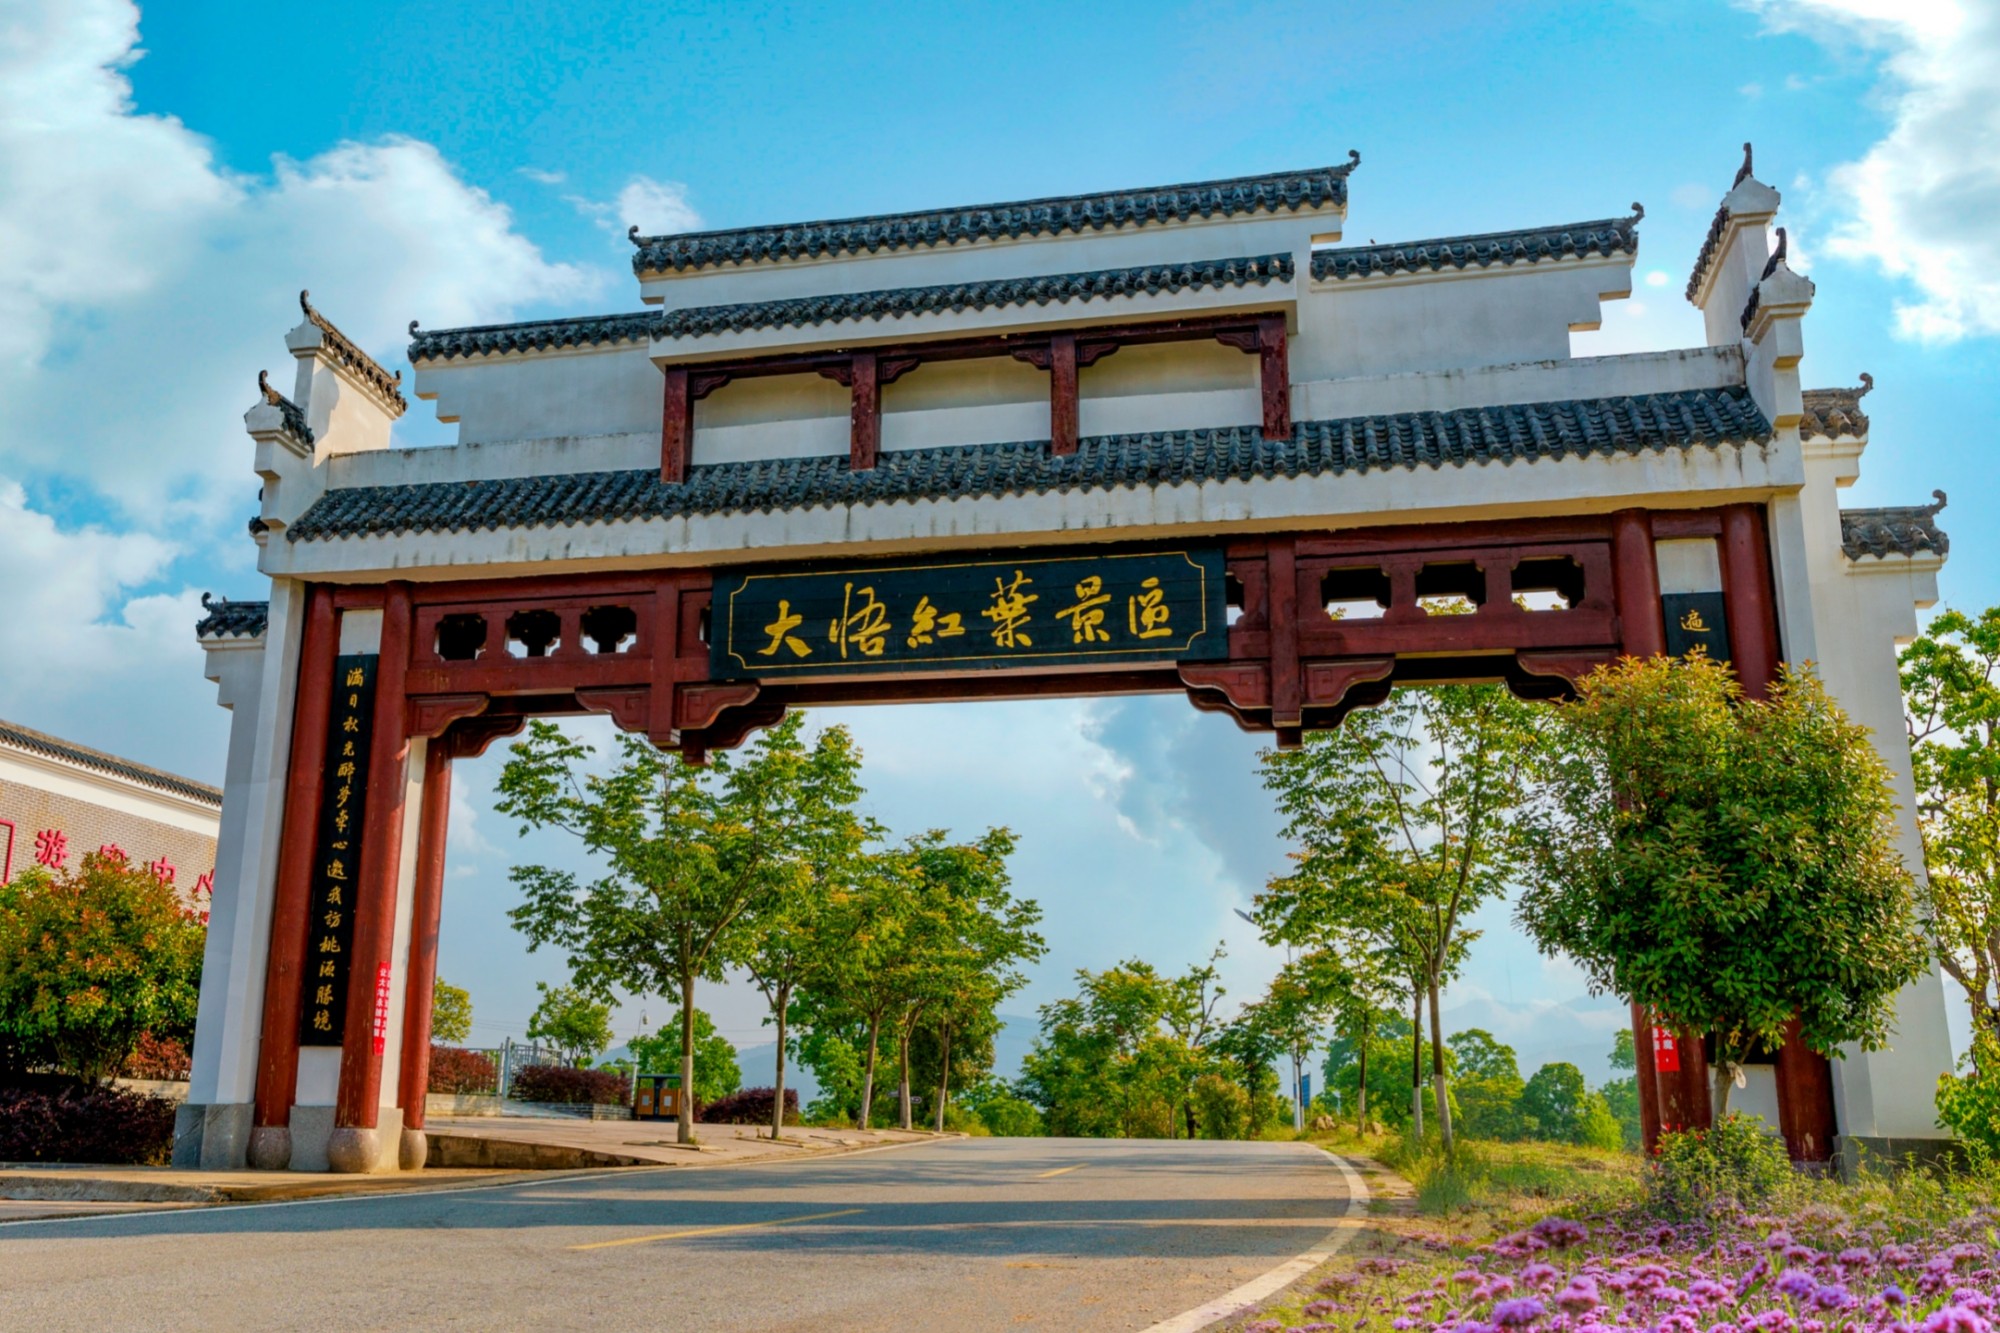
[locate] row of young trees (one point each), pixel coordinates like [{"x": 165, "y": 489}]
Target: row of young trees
[
  {"x": 1727, "y": 862},
  {"x": 766, "y": 864}
]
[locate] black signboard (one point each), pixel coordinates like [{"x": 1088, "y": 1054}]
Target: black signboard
[
  {"x": 337, "y": 853},
  {"x": 1695, "y": 620},
  {"x": 1106, "y": 609}
]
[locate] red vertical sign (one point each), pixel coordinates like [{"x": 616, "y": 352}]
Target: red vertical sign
[
  {"x": 1666, "y": 1052},
  {"x": 381, "y": 1007}
]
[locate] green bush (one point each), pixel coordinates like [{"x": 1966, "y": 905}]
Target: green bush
[
  {"x": 1009, "y": 1117},
  {"x": 1968, "y": 1103},
  {"x": 1221, "y": 1108},
  {"x": 1598, "y": 1126},
  {"x": 1736, "y": 1159}
]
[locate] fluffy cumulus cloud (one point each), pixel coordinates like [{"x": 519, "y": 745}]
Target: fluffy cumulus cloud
[
  {"x": 654, "y": 207},
  {"x": 1920, "y": 203},
  {"x": 142, "y": 287}
]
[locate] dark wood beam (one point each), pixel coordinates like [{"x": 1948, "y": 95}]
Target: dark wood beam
[
  {"x": 1275, "y": 375},
  {"x": 676, "y": 426},
  {"x": 864, "y": 427},
  {"x": 1062, "y": 394}
]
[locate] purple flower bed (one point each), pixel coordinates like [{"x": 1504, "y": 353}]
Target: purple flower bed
[{"x": 1731, "y": 1272}]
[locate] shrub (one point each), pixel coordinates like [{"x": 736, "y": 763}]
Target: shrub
[
  {"x": 1598, "y": 1127},
  {"x": 160, "y": 1058},
  {"x": 559, "y": 1083},
  {"x": 749, "y": 1106},
  {"x": 1736, "y": 1160},
  {"x": 463, "y": 1072},
  {"x": 1009, "y": 1117},
  {"x": 1221, "y": 1108},
  {"x": 85, "y": 1124},
  {"x": 1968, "y": 1103}
]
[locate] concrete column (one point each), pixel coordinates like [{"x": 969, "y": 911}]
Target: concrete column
[{"x": 256, "y": 678}]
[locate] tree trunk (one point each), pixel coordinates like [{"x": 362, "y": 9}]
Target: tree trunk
[
  {"x": 903, "y": 1075},
  {"x": 1724, "y": 1082},
  {"x": 1361, "y": 1096},
  {"x": 686, "y": 1129},
  {"x": 778, "y": 1080},
  {"x": 1417, "y": 1062},
  {"x": 1437, "y": 1068},
  {"x": 944, "y": 1076},
  {"x": 868, "y": 1075}
]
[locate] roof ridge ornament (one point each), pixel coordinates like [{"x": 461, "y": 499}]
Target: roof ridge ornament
[
  {"x": 1638, "y": 211},
  {"x": 294, "y": 419},
  {"x": 1936, "y": 507},
  {"x": 1867, "y": 385},
  {"x": 386, "y": 388},
  {"x": 1743, "y": 173},
  {"x": 1781, "y": 255}
]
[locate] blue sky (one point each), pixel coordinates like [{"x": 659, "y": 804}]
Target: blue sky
[{"x": 169, "y": 180}]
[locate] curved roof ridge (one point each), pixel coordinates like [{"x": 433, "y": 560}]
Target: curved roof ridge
[{"x": 54, "y": 747}]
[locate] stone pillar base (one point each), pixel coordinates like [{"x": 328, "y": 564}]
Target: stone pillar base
[
  {"x": 270, "y": 1148},
  {"x": 353, "y": 1150},
  {"x": 416, "y": 1149}
]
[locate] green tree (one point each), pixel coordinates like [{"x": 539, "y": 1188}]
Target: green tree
[
  {"x": 1403, "y": 824},
  {"x": 791, "y": 930},
  {"x": 451, "y": 1012},
  {"x": 1489, "y": 1085},
  {"x": 716, "y": 1074},
  {"x": 690, "y": 854},
  {"x": 1951, "y": 692},
  {"x": 1621, "y": 1095},
  {"x": 1554, "y": 1102},
  {"x": 90, "y": 959},
  {"x": 577, "y": 1026},
  {"x": 1119, "y": 1059},
  {"x": 1356, "y": 982},
  {"x": 1729, "y": 863}
]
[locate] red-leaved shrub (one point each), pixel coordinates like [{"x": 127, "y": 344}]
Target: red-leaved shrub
[
  {"x": 460, "y": 1071},
  {"x": 559, "y": 1083},
  {"x": 85, "y": 1124},
  {"x": 749, "y": 1106},
  {"x": 158, "y": 1058}
]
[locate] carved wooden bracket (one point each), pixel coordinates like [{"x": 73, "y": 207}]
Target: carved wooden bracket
[
  {"x": 697, "y": 706},
  {"x": 429, "y": 715},
  {"x": 469, "y": 737},
  {"x": 630, "y": 707}
]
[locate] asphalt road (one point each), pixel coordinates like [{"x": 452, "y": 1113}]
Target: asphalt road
[{"x": 962, "y": 1234}]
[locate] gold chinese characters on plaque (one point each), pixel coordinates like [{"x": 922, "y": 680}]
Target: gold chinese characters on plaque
[{"x": 337, "y": 852}]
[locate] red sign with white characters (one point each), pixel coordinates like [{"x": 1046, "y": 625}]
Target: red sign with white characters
[
  {"x": 1666, "y": 1052},
  {"x": 381, "y": 1007}
]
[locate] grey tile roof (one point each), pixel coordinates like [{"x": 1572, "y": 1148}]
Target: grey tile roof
[
  {"x": 38, "y": 742},
  {"x": 1572, "y": 240},
  {"x": 1652, "y": 423},
  {"x": 233, "y": 620},
  {"x": 387, "y": 388},
  {"x": 1709, "y": 243},
  {"x": 807, "y": 311},
  {"x": 1895, "y": 530},
  {"x": 1054, "y": 216},
  {"x": 534, "y": 336},
  {"x": 997, "y": 293},
  {"x": 1833, "y": 413}
]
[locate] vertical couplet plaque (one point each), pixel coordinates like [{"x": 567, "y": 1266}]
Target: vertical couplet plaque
[{"x": 337, "y": 852}]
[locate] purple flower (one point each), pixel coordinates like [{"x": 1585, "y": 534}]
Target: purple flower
[
  {"x": 1797, "y": 1285},
  {"x": 1856, "y": 1258},
  {"x": 1892, "y": 1295},
  {"x": 1956, "y": 1319},
  {"x": 1538, "y": 1272},
  {"x": 1559, "y": 1232},
  {"x": 1526, "y": 1310},
  {"x": 1833, "y": 1297},
  {"x": 1318, "y": 1308},
  {"x": 1579, "y": 1297},
  {"x": 1778, "y": 1240},
  {"x": 1708, "y": 1291}
]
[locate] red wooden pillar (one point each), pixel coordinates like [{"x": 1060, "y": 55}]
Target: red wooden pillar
[
  {"x": 1805, "y": 1099},
  {"x": 381, "y": 855},
  {"x": 865, "y": 413},
  {"x": 676, "y": 426},
  {"x": 1275, "y": 377},
  {"x": 1646, "y": 1076},
  {"x": 433, "y": 820},
  {"x": 1635, "y": 577},
  {"x": 1063, "y": 409},
  {"x": 1287, "y": 675},
  {"x": 278, "y": 1045}
]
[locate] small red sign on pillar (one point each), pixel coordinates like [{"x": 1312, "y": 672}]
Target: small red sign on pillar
[
  {"x": 1666, "y": 1052},
  {"x": 381, "y": 1007}
]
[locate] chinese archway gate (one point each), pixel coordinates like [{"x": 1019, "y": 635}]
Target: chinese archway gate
[{"x": 1107, "y": 465}]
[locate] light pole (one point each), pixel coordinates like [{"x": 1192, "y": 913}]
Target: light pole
[{"x": 1298, "y": 1058}]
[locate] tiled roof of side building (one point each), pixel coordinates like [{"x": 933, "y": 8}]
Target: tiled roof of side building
[
  {"x": 231, "y": 620},
  {"x": 1833, "y": 413},
  {"x": 997, "y": 293},
  {"x": 1281, "y": 191},
  {"x": 807, "y": 311},
  {"x": 37, "y": 742},
  {"x": 387, "y": 388},
  {"x": 1571, "y": 240},
  {"x": 1894, "y": 530},
  {"x": 1652, "y": 423}
]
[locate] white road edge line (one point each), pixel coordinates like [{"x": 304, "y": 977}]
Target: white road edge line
[
  {"x": 553, "y": 1177},
  {"x": 1255, "y": 1290}
]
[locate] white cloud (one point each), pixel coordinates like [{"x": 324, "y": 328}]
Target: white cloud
[
  {"x": 1920, "y": 203},
  {"x": 541, "y": 177},
  {"x": 142, "y": 285},
  {"x": 1658, "y": 277},
  {"x": 655, "y": 207}
]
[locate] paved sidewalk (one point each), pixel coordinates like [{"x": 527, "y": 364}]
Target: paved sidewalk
[{"x": 486, "y": 1150}]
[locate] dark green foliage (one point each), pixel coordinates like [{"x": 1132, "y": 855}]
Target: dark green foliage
[
  {"x": 74, "y": 1123},
  {"x": 1735, "y": 1159},
  {"x": 560, "y": 1083},
  {"x": 716, "y": 1074}
]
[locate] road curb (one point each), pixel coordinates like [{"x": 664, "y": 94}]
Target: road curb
[{"x": 1259, "y": 1288}]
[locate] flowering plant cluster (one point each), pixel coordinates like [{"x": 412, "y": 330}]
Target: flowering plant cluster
[{"x": 1821, "y": 1271}]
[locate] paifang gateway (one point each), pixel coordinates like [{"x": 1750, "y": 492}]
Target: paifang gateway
[{"x": 1138, "y": 441}]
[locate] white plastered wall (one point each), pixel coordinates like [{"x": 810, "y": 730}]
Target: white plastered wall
[{"x": 257, "y": 684}]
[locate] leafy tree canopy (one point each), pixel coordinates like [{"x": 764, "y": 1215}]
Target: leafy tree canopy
[
  {"x": 451, "y": 1013},
  {"x": 567, "y": 1019},
  {"x": 716, "y": 1074}
]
